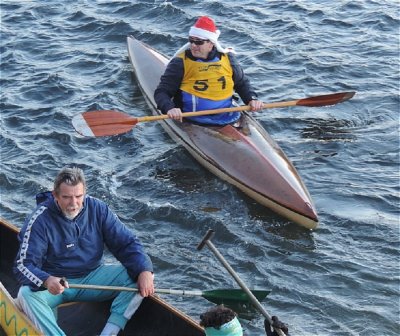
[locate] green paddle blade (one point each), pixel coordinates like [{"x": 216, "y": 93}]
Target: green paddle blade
[{"x": 219, "y": 296}]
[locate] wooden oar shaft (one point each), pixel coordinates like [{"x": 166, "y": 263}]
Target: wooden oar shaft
[
  {"x": 329, "y": 99},
  {"x": 130, "y": 289},
  {"x": 257, "y": 304},
  {"x": 215, "y": 111}
]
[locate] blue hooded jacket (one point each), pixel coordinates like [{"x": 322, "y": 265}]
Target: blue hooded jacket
[{"x": 51, "y": 244}]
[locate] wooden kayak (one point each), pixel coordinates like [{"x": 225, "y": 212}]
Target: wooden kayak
[
  {"x": 245, "y": 156},
  {"x": 155, "y": 317}
]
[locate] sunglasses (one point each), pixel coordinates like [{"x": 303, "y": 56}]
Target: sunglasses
[{"x": 197, "y": 42}]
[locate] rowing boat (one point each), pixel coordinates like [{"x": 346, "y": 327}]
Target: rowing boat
[
  {"x": 155, "y": 317},
  {"x": 245, "y": 156}
]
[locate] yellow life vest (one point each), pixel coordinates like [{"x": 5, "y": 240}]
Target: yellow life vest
[{"x": 209, "y": 80}]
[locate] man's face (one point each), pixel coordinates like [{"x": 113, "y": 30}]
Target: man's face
[
  {"x": 70, "y": 199},
  {"x": 200, "y": 51}
]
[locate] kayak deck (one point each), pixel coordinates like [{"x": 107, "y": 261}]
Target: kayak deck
[{"x": 245, "y": 156}]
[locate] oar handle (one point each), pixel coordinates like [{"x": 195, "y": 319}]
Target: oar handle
[
  {"x": 257, "y": 304},
  {"x": 322, "y": 100},
  {"x": 101, "y": 287},
  {"x": 216, "y": 111},
  {"x": 130, "y": 289},
  {"x": 194, "y": 114}
]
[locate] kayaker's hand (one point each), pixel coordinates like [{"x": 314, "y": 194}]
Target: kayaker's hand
[
  {"x": 145, "y": 283},
  {"x": 175, "y": 114},
  {"x": 54, "y": 285},
  {"x": 255, "y": 105}
]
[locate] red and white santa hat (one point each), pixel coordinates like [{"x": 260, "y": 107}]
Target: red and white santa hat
[{"x": 205, "y": 28}]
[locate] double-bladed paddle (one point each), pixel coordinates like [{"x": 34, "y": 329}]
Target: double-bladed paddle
[
  {"x": 110, "y": 122},
  {"x": 217, "y": 296}
]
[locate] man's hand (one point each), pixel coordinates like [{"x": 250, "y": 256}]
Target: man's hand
[
  {"x": 145, "y": 283},
  {"x": 276, "y": 323},
  {"x": 175, "y": 113},
  {"x": 54, "y": 285},
  {"x": 256, "y": 105}
]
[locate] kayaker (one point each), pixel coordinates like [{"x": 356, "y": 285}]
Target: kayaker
[
  {"x": 203, "y": 75},
  {"x": 221, "y": 321},
  {"x": 65, "y": 237}
]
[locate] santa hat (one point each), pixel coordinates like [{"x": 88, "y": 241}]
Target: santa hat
[{"x": 205, "y": 28}]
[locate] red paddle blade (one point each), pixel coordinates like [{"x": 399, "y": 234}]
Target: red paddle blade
[
  {"x": 324, "y": 100},
  {"x": 103, "y": 123}
]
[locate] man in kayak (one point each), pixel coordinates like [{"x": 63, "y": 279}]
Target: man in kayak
[
  {"x": 203, "y": 76},
  {"x": 65, "y": 237}
]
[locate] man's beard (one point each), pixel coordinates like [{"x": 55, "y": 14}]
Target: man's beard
[
  {"x": 70, "y": 217},
  {"x": 73, "y": 215}
]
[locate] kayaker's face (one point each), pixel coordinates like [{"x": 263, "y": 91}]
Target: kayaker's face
[
  {"x": 201, "y": 49},
  {"x": 70, "y": 199}
]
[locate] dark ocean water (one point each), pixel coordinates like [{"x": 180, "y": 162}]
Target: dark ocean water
[{"x": 59, "y": 59}]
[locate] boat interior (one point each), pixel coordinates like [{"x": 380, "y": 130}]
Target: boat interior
[{"x": 154, "y": 316}]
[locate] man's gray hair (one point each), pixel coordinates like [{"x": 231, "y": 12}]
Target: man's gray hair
[{"x": 71, "y": 176}]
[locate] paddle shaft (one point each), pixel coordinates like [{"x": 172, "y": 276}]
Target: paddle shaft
[
  {"x": 130, "y": 289},
  {"x": 322, "y": 100},
  {"x": 216, "y": 296},
  {"x": 206, "y": 241},
  {"x": 215, "y": 111}
]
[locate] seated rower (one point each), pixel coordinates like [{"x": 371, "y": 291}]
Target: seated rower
[{"x": 65, "y": 236}]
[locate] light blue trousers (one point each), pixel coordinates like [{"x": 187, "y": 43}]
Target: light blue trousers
[{"x": 41, "y": 306}]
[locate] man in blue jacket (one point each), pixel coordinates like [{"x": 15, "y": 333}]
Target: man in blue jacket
[{"x": 65, "y": 237}]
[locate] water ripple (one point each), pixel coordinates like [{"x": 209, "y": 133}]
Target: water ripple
[{"x": 60, "y": 59}]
